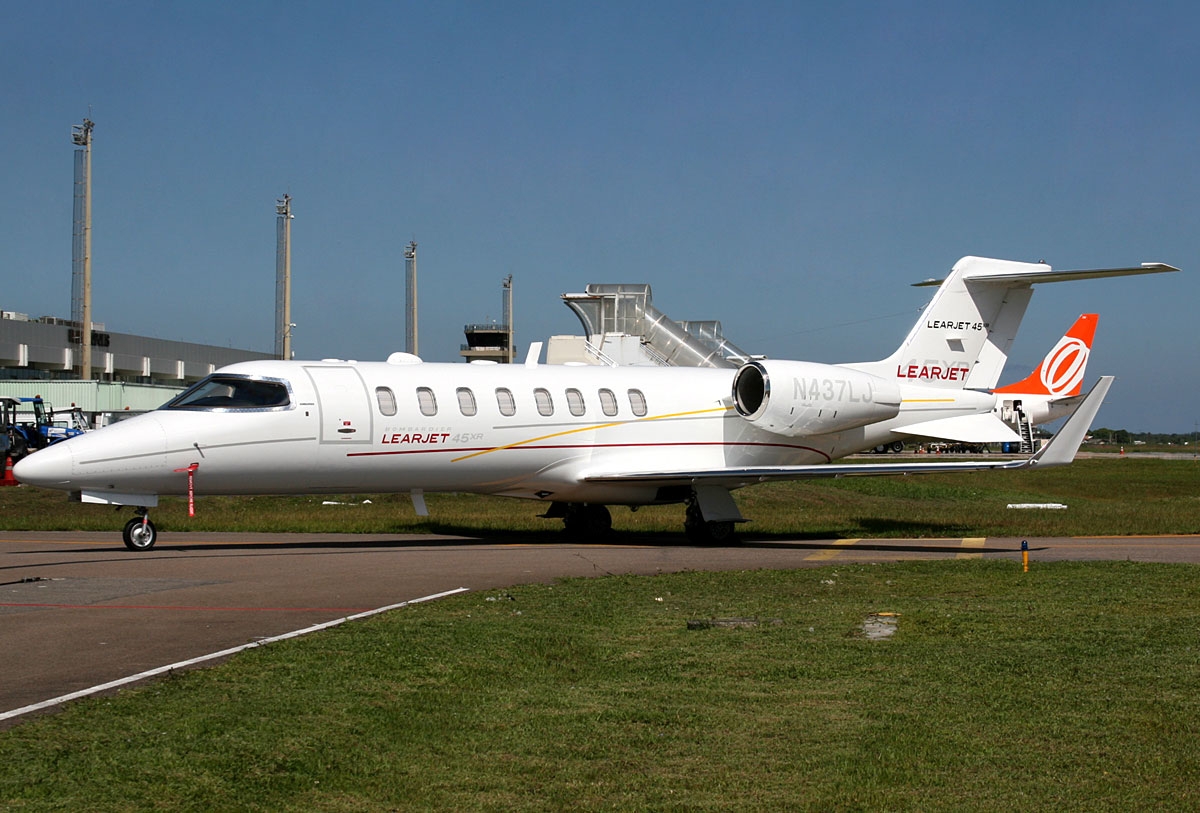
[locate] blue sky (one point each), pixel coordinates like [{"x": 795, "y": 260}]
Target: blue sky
[{"x": 787, "y": 168}]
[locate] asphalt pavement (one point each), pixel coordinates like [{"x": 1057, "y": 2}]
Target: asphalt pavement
[{"x": 78, "y": 611}]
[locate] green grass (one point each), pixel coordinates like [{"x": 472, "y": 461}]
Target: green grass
[
  {"x": 1105, "y": 496},
  {"x": 1071, "y": 687}
]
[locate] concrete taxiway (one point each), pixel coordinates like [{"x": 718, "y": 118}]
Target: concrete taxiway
[{"x": 79, "y": 611}]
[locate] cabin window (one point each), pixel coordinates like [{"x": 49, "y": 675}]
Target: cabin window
[
  {"x": 545, "y": 404},
  {"x": 427, "y": 401},
  {"x": 506, "y": 402},
  {"x": 219, "y": 392},
  {"x": 387, "y": 400},
  {"x": 608, "y": 402},
  {"x": 575, "y": 402},
  {"x": 466, "y": 402},
  {"x": 637, "y": 402}
]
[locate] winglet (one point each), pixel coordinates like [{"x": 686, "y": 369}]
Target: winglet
[{"x": 1062, "y": 447}]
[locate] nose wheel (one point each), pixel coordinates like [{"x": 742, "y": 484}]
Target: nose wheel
[{"x": 140, "y": 533}]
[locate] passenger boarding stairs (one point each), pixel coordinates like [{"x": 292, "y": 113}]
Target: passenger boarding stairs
[
  {"x": 612, "y": 314},
  {"x": 1025, "y": 430}
]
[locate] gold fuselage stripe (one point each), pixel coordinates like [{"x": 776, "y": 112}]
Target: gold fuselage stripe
[{"x": 589, "y": 428}]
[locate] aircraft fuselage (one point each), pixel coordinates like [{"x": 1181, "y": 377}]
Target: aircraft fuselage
[{"x": 525, "y": 431}]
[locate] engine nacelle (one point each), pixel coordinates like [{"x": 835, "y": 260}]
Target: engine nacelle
[{"x": 797, "y": 398}]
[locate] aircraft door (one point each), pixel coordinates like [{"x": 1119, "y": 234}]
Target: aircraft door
[{"x": 344, "y": 404}]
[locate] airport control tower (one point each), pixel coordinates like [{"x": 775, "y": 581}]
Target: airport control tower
[{"x": 492, "y": 341}]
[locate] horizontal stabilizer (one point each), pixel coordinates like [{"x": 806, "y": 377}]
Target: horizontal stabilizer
[
  {"x": 1050, "y": 275},
  {"x": 1070, "y": 402},
  {"x": 964, "y": 335},
  {"x": 964, "y": 429}
]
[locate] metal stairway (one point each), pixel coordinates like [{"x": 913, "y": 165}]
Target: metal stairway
[
  {"x": 613, "y": 310},
  {"x": 1025, "y": 430}
]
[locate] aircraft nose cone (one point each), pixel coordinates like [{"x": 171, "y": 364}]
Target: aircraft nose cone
[
  {"x": 47, "y": 468},
  {"x": 124, "y": 456}
]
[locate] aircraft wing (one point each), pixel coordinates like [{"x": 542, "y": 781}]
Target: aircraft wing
[{"x": 1058, "y": 452}]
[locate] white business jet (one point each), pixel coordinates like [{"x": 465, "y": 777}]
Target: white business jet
[{"x": 576, "y": 437}]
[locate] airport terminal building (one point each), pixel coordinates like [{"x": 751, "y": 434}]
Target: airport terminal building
[{"x": 130, "y": 373}]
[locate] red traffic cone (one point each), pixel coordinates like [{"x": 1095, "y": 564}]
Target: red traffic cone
[{"x": 8, "y": 479}]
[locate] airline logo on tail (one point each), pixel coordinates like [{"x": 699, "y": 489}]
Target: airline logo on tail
[{"x": 1061, "y": 372}]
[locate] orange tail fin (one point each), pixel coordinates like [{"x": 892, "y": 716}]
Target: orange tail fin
[{"x": 1061, "y": 371}]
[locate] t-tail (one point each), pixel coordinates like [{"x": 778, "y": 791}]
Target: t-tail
[{"x": 963, "y": 337}]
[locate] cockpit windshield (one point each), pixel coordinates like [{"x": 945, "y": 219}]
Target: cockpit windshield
[{"x": 219, "y": 392}]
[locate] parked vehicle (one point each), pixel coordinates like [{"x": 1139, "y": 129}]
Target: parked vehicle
[{"x": 29, "y": 424}]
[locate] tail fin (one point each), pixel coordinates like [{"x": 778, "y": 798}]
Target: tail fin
[
  {"x": 963, "y": 337},
  {"x": 1060, "y": 373}
]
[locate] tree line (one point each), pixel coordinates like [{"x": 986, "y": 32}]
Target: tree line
[{"x": 1149, "y": 438}]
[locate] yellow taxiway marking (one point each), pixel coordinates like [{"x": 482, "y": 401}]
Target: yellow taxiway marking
[
  {"x": 831, "y": 553},
  {"x": 972, "y": 542}
]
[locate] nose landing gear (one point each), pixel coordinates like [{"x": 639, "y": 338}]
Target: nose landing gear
[{"x": 140, "y": 533}]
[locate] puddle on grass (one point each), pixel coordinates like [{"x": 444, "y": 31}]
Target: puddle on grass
[{"x": 880, "y": 626}]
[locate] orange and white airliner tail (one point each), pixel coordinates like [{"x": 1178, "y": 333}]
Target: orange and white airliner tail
[{"x": 1060, "y": 374}]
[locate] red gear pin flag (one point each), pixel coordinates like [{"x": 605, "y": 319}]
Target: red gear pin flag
[{"x": 191, "y": 473}]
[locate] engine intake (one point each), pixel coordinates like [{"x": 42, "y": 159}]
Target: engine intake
[{"x": 797, "y": 398}]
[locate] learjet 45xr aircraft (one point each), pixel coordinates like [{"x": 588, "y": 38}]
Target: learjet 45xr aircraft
[{"x": 576, "y": 437}]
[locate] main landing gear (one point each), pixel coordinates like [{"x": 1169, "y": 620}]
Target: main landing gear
[
  {"x": 589, "y": 522},
  {"x": 140, "y": 533},
  {"x": 706, "y": 532}
]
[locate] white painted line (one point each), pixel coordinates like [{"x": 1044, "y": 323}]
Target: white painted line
[{"x": 45, "y": 704}]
